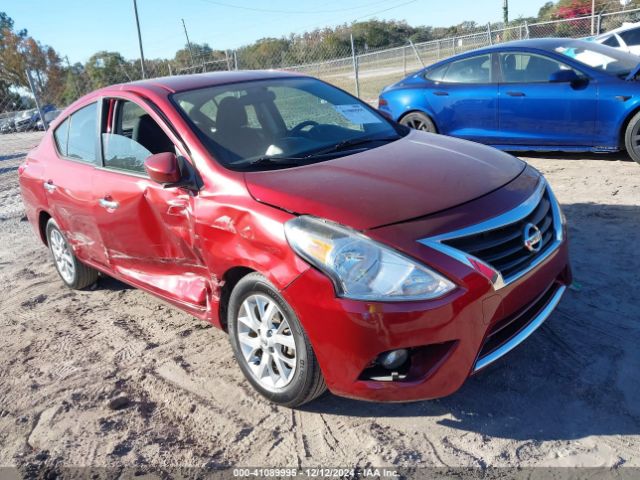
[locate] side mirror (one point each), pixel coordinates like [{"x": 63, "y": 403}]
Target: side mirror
[
  {"x": 163, "y": 168},
  {"x": 564, "y": 76}
]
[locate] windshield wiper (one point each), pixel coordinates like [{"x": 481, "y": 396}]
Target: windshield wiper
[
  {"x": 351, "y": 142},
  {"x": 268, "y": 160}
]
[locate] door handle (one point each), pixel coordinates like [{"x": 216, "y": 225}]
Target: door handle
[
  {"x": 108, "y": 203},
  {"x": 49, "y": 186},
  {"x": 516, "y": 94},
  {"x": 440, "y": 93},
  {"x": 177, "y": 207}
]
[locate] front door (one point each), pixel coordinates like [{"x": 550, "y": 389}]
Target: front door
[
  {"x": 147, "y": 229},
  {"x": 534, "y": 111}
]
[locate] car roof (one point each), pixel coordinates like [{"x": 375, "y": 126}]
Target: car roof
[
  {"x": 623, "y": 28},
  {"x": 539, "y": 43},
  {"x": 179, "y": 83}
]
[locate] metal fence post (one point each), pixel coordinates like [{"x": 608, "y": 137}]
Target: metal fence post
[
  {"x": 489, "y": 33},
  {"x": 35, "y": 97},
  {"x": 439, "y": 42},
  {"x": 599, "y": 26},
  {"x": 404, "y": 61},
  {"x": 355, "y": 66},
  {"x": 235, "y": 60},
  {"x": 454, "y": 45},
  {"x": 526, "y": 29},
  {"x": 415, "y": 50}
]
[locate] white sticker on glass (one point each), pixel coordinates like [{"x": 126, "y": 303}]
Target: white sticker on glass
[{"x": 356, "y": 113}]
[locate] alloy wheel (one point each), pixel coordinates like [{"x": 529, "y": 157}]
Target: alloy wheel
[
  {"x": 62, "y": 256},
  {"x": 266, "y": 342}
]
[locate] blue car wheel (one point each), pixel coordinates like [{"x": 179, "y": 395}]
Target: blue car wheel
[{"x": 418, "y": 121}]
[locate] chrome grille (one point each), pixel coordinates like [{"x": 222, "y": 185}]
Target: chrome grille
[{"x": 503, "y": 248}]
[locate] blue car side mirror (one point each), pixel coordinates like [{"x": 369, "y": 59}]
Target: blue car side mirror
[{"x": 564, "y": 76}]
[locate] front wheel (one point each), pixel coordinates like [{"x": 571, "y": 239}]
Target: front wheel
[
  {"x": 418, "y": 121},
  {"x": 270, "y": 345},
  {"x": 74, "y": 273},
  {"x": 632, "y": 138}
]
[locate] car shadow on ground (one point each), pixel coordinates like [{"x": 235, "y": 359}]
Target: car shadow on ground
[
  {"x": 578, "y": 374},
  {"x": 105, "y": 282},
  {"x": 611, "y": 157}
]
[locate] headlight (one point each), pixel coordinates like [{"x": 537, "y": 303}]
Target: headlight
[{"x": 360, "y": 268}]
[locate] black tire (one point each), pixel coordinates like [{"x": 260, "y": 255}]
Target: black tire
[
  {"x": 418, "y": 121},
  {"x": 632, "y": 138},
  {"x": 307, "y": 382},
  {"x": 83, "y": 276}
]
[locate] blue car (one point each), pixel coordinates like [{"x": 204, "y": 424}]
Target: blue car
[{"x": 550, "y": 94}]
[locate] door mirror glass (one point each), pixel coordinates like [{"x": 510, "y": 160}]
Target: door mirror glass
[
  {"x": 564, "y": 76},
  {"x": 163, "y": 168}
]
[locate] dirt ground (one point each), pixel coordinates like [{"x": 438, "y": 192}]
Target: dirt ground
[{"x": 569, "y": 396}]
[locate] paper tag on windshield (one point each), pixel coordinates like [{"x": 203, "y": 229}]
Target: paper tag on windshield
[{"x": 356, "y": 113}]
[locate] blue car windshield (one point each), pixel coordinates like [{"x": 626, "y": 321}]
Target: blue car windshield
[
  {"x": 282, "y": 122},
  {"x": 600, "y": 57}
]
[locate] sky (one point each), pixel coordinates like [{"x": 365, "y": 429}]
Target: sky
[{"x": 79, "y": 28}]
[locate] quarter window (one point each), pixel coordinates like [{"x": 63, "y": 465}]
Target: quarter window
[
  {"x": 82, "y": 135},
  {"x": 61, "y": 134},
  {"x": 529, "y": 68},
  {"x": 612, "y": 41},
  {"x": 133, "y": 137},
  {"x": 437, "y": 74},
  {"x": 631, "y": 37}
]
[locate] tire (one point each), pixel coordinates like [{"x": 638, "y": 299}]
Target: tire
[
  {"x": 418, "y": 121},
  {"x": 632, "y": 138},
  {"x": 286, "y": 376},
  {"x": 73, "y": 273}
]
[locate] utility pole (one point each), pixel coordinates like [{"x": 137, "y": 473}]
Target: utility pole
[
  {"x": 188, "y": 43},
  {"x": 135, "y": 11},
  {"x": 505, "y": 13}
]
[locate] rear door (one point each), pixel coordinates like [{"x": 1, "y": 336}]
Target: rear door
[
  {"x": 464, "y": 98},
  {"x": 147, "y": 230},
  {"x": 534, "y": 111},
  {"x": 68, "y": 184}
]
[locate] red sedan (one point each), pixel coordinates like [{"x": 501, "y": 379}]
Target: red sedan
[{"x": 337, "y": 248}]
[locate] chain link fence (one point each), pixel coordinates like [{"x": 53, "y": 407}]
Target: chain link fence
[{"x": 351, "y": 66}]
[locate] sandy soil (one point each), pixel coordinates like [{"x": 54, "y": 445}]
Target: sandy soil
[{"x": 569, "y": 396}]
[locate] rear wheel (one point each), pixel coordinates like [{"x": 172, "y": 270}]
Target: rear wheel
[
  {"x": 418, "y": 121},
  {"x": 632, "y": 138},
  {"x": 270, "y": 345},
  {"x": 74, "y": 273}
]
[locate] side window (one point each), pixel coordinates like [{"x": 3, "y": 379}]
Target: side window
[
  {"x": 631, "y": 37},
  {"x": 83, "y": 128},
  {"x": 61, "y": 135},
  {"x": 470, "y": 70},
  {"x": 529, "y": 68},
  {"x": 133, "y": 137},
  {"x": 612, "y": 41},
  {"x": 436, "y": 74}
]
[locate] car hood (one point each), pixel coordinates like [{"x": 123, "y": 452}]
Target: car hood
[{"x": 415, "y": 176}]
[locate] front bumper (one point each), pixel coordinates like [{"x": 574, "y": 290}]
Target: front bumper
[{"x": 446, "y": 336}]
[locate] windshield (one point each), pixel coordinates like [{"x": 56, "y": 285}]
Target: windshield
[
  {"x": 603, "y": 58},
  {"x": 260, "y": 124}
]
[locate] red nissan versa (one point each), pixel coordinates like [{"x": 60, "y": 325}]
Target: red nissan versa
[{"x": 337, "y": 248}]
